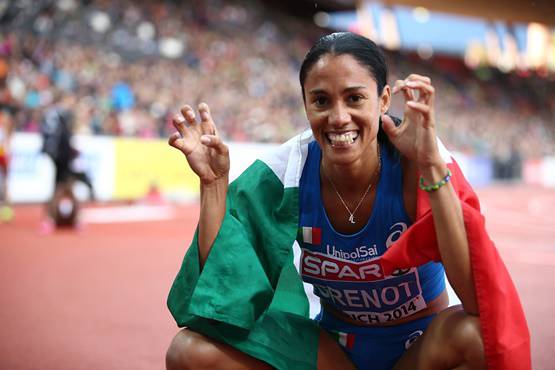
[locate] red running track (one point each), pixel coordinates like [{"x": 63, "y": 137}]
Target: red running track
[{"x": 95, "y": 298}]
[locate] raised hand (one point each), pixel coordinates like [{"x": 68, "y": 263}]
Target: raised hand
[
  {"x": 415, "y": 137},
  {"x": 206, "y": 154}
]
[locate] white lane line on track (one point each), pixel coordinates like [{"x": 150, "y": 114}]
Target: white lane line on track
[{"x": 134, "y": 213}]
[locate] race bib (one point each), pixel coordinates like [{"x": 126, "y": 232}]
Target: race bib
[{"x": 360, "y": 289}]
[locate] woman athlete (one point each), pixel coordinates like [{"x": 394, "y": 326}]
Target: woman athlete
[{"x": 351, "y": 196}]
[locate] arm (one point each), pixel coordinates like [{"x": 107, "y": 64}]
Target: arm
[
  {"x": 208, "y": 157},
  {"x": 451, "y": 237},
  {"x": 212, "y": 211},
  {"x": 416, "y": 139}
]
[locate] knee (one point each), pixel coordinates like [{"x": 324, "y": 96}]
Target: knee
[
  {"x": 189, "y": 350},
  {"x": 463, "y": 334},
  {"x": 176, "y": 355},
  {"x": 464, "y": 331}
]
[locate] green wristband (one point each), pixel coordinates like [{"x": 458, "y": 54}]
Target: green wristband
[{"x": 437, "y": 185}]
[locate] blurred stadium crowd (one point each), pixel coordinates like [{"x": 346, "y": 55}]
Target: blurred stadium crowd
[{"x": 123, "y": 68}]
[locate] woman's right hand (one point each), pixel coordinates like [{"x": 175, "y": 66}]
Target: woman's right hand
[{"x": 207, "y": 155}]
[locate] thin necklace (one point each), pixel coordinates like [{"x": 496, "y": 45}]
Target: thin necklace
[{"x": 372, "y": 180}]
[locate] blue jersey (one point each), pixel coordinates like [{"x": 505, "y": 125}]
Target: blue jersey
[{"x": 345, "y": 270}]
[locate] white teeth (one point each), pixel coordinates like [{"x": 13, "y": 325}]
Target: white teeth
[{"x": 345, "y": 138}]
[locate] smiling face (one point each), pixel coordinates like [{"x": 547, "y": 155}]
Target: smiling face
[{"x": 343, "y": 107}]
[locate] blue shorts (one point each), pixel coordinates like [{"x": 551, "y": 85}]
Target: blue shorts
[{"x": 373, "y": 348}]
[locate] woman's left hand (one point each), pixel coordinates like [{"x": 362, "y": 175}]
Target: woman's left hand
[{"x": 415, "y": 137}]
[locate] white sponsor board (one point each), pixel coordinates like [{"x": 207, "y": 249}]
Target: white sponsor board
[
  {"x": 97, "y": 159},
  {"x": 31, "y": 172},
  {"x": 31, "y": 176},
  {"x": 548, "y": 172},
  {"x": 540, "y": 171}
]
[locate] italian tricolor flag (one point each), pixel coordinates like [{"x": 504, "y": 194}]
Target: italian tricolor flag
[
  {"x": 311, "y": 235},
  {"x": 344, "y": 339},
  {"x": 250, "y": 295}
]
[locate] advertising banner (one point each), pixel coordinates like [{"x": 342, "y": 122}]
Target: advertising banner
[{"x": 144, "y": 165}]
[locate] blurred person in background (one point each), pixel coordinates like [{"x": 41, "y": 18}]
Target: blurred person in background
[
  {"x": 373, "y": 243},
  {"x": 6, "y": 132},
  {"x": 56, "y": 130},
  {"x": 7, "y": 128}
]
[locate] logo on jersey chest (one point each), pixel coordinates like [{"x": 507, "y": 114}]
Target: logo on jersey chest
[
  {"x": 321, "y": 266},
  {"x": 356, "y": 255}
]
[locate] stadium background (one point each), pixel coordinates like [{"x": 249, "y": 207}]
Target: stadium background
[{"x": 94, "y": 298}]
